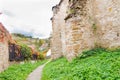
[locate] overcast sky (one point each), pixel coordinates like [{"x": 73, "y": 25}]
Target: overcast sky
[{"x": 30, "y": 17}]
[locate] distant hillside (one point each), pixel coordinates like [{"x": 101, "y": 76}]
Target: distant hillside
[
  {"x": 34, "y": 43},
  {"x": 21, "y": 35}
]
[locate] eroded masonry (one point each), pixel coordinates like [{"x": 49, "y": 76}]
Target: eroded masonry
[
  {"x": 4, "y": 52},
  {"x": 80, "y": 25}
]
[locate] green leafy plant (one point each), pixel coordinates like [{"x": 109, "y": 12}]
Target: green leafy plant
[
  {"x": 91, "y": 52},
  {"x": 96, "y": 64},
  {"x": 94, "y": 26},
  {"x": 20, "y": 71}
]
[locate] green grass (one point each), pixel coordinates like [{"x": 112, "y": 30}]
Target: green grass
[
  {"x": 19, "y": 71},
  {"x": 96, "y": 64}
]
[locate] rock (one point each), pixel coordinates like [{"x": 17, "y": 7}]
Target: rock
[{"x": 22, "y": 62}]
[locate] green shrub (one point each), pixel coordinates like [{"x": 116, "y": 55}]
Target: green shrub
[
  {"x": 92, "y": 52},
  {"x": 41, "y": 56},
  {"x": 25, "y": 51}
]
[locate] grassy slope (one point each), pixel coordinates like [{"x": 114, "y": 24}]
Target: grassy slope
[
  {"x": 93, "y": 65},
  {"x": 19, "y": 71}
]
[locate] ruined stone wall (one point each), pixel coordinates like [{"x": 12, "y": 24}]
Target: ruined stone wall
[
  {"x": 78, "y": 28},
  {"x": 58, "y": 37},
  {"x": 85, "y": 24},
  {"x": 107, "y": 15},
  {"x": 4, "y": 54}
]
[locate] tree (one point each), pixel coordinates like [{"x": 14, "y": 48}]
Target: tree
[{"x": 25, "y": 51}]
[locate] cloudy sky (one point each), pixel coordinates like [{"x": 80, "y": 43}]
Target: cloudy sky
[{"x": 30, "y": 17}]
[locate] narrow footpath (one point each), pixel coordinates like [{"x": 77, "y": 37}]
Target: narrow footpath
[{"x": 37, "y": 73}]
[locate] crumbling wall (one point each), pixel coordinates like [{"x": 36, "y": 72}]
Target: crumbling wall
[
  {"x": 58, "y": 37},
  {"x": 85, "y": 24},
  {"x": 4, "y": 53},
  {"x": 107, "y": 15},
  {"x": 78, "y": 28}
]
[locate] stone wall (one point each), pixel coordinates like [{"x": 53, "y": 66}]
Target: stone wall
[
  {"x": 4, "y": 54},
  {"x": 107, "y": 15},
  {"x": 58, "y": 23},
  {"x": 80, "y": 25},
  {"x": 78, "y": 28}
]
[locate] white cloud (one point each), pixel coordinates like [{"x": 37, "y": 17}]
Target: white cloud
[{"x": 30, "y": 16}]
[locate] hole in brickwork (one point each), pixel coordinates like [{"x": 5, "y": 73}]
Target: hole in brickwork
[{"x": 118, "y": 35}]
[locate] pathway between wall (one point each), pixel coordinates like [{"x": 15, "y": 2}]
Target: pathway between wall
[{"x": 37, "y": 73}]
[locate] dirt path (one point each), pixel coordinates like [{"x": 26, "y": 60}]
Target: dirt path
[{"x": 37, "y": 73}]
